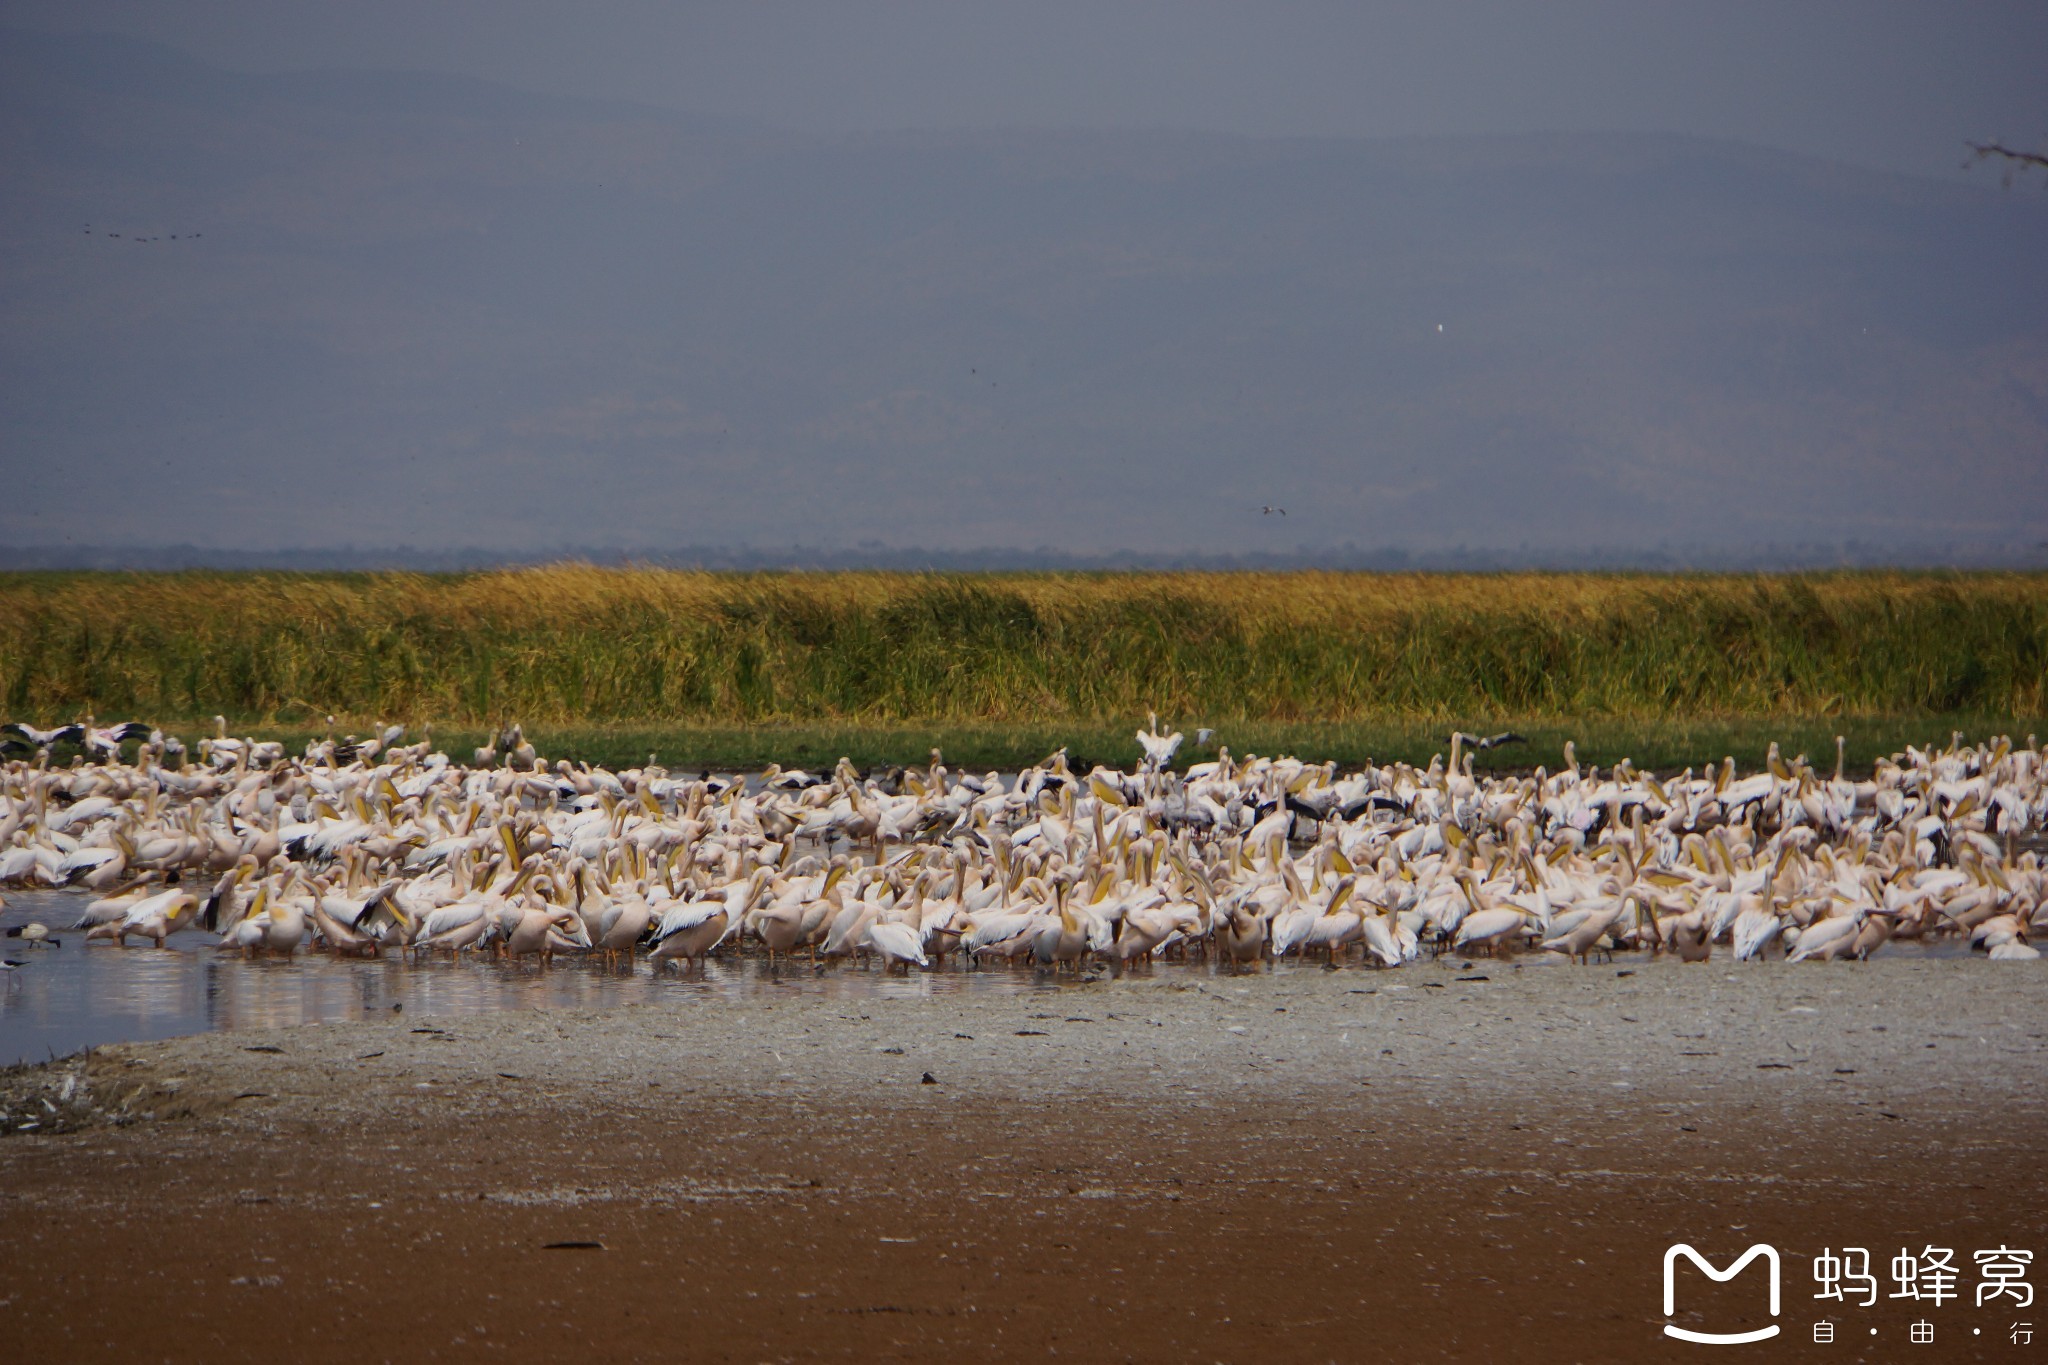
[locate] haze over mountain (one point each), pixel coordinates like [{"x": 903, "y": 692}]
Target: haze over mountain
[{"x": 378, "y": 309}]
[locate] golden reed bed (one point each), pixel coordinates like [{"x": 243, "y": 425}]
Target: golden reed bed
[{"x": 574, "y": 644}]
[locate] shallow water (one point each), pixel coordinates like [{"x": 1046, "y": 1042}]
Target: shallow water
[
  {"x": 73, "y": 997},
  {"x": 77, "y": 996}
]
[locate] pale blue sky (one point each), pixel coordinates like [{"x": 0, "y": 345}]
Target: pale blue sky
[
  {"x": 1882, "y": 83},
  {"x": 1429, "y": 276}
]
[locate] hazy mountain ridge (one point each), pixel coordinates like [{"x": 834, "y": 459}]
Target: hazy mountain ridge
[
  {"x": 443, "y": 313},
  {"x": 1853, "y": 555}
]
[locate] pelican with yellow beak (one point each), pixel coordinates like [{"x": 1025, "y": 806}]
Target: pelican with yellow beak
[{"x": 151, "y": 918}]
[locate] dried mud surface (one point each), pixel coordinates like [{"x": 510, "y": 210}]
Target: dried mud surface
[{"x": 1297, "y": 1166}]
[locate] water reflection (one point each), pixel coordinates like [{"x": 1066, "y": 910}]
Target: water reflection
[{"x": 72, "y": 997}]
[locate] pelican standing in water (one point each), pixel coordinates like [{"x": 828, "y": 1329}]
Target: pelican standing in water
[{"x": 152, "y": 918}]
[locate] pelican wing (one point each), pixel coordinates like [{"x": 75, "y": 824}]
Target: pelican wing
[{"x": 686, "y": 915}]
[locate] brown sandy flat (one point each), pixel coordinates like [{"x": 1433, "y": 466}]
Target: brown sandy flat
[{"x": 1279, "y": 1168}]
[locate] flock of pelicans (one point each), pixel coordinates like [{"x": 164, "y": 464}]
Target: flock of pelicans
[{"x": 380, "y": 846}]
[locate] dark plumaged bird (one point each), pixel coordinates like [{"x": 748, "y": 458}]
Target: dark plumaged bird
[{"x": 1269, "y": 511}]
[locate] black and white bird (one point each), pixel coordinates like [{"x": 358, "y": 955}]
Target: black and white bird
[
  {"x": 34, "y": 935},
  {"x": 1269, "y": 510},
  {"x": 105, "y": 741},
  {"x": 43, "y": 739},
  {"x": 1481, "y": 743}
]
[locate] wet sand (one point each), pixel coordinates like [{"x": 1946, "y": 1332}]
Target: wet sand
[{"x": 1295, "y": 1166}]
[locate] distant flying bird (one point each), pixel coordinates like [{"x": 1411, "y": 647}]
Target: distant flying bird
[
  {"x": 1203, "y": 736},
  {"x": 1484, "y": 742},
  {"x": 1269, "y": 511}
]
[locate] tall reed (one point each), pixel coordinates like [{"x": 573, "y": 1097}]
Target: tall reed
[{"x": 572, "y": 643}]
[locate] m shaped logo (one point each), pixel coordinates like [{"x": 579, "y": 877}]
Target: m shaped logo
[{"x": 1671, "y": 1255}]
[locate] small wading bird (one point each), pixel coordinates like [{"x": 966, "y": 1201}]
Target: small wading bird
[{"x": 354, "y": 848}]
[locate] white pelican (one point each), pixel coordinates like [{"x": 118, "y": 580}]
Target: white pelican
[
  {"x": 1487, "y": 926},
  {"x": 1591, "y": 926},
  {"x": 897, "y": 942},
  {"x": 1158, "y": 749},
  {"x": 268, "y": 927},
  {"x": 691, "y": 929},
  {"x": 1827, "y": 939},
  {"x": 153, "y": 917}
]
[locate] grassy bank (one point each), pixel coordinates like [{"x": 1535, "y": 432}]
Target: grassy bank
[{"x": 1352, "y": 658}]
